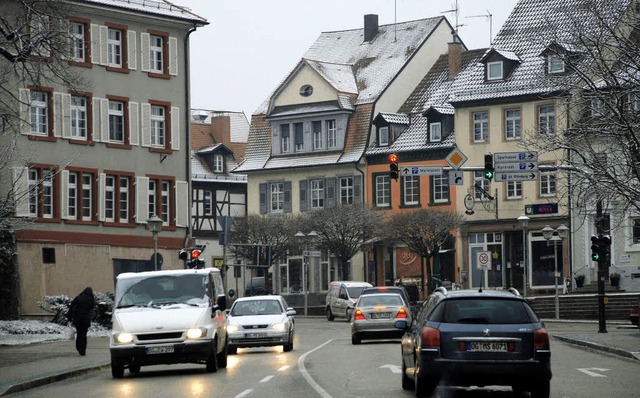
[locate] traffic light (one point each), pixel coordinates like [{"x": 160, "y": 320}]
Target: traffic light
[
  {"x": 605, "y": 247},
  {"x": 488, "y": 166},
  {"x": 194, "y": 260},
  {"x": 393, "y": 167},
  {"x": 184, "y": 254},
  {"x": 596, "y": 255}
]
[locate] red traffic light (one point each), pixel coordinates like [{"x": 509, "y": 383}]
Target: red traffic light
[
  {"x": 393, "y": 158},
  {"x": 195, "y": 253}
]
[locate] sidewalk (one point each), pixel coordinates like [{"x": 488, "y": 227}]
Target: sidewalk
[{"x": 27, "y": 366}]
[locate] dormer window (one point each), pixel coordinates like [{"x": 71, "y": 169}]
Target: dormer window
[
  {"x": 435, "y": 132},
  {"x": 495, "y": 70},
  {"x": 555, "y": 64},
  {"x": 218, "y": 163},
  {"x": 383, "y": 136}
]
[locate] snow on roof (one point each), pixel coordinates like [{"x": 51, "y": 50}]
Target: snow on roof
[
  {"x": 395, "y": 118},
  {"x": 338, "y": 75},
  {"x": 158, "y": 7}
]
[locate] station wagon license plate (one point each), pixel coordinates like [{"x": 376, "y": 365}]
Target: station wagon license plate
[
  {"x": 380, "y": 315},
  {"x": 486, "y": 346},
  {"x": 163, "y": 349}
]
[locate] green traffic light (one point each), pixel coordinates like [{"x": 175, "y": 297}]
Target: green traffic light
[
  {"x": 595, "y": 257},
  {"x": 488, "y": 175}
]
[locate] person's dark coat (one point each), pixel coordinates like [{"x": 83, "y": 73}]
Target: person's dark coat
[{"x": 80, "y": 308}]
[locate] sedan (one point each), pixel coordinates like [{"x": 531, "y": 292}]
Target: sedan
[
  {"x": 261, "y": 321},
  {"x": 375, "y": 316}
]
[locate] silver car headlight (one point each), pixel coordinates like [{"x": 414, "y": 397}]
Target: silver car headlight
[
  {"x": 196, "y": 333},
  {"x": 279, "y": 326},
  {"x": 232, "y": 328},
  {"x": 123, "y": 338}
]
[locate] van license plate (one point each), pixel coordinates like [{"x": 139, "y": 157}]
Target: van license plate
[
  {"x": 163, "y": 349},
  {"x": 481, "y": 346}
]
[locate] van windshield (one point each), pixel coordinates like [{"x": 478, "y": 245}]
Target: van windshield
[
  {"x": 162, "y": 290},
  {"x": 355, "y": 291}
]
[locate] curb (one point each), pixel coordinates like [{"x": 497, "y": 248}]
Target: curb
[{"x": 598, "y": 347}]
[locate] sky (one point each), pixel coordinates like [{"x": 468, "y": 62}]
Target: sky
[{"x": 250, "y": 46}]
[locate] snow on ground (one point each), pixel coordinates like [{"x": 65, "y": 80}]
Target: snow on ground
[{"x": 29, "y": 332}]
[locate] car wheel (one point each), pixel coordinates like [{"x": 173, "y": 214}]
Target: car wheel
[
  {"x": 355, "y": 339},
  {"x": 134, "y": 369},
  {"x": 117, "y": 370},
  {"x": 221, "y": 358},
  {"x": 541, "y": 390},
  {"x": 348, "y": 315},
  {"x": 231, "y": 350},
  {"x": 330, "y": 316},
  {"x": 212, "y": 361},
  {"x": 407, "y": 383},
  {"x": 289, "y": 345}
]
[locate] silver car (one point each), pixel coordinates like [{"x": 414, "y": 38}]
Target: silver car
[{"x": 375, "y": 316}]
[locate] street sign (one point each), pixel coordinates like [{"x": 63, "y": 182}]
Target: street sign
[
  {"x": 455, "y": 177},
  {"x": 516, "y": 167},
  {"x": 456, "y": 159},
  {"x": 311, "y": 253},
  {"x": 516, "y": 176},
  {"x": 543, "y": 208},
  {"x": 508, "y": 157},
  {"x": 483, "y": 260},
  {"x": 421, "y": 170}
]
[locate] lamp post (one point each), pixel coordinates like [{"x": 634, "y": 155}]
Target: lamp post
[
  {"x": 548, "y": 232},
  {"x": 524, "y": 220},
  {"x": 155, "y": 225},
  {"x": 305, "y": 264}
]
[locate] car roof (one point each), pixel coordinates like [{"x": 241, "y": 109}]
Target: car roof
[
  {"x": 201, "y": 271},
  {"x": 264, "y": 297},
  {"x": 352, "y": 283},
  {"x": 511, "y": 293}
]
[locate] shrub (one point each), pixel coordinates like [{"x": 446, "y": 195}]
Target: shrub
[{"x": 59, "y": 307}]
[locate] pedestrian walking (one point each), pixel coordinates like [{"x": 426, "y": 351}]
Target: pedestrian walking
[{"x": 80, "y": 315}]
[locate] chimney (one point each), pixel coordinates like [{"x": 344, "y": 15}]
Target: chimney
[
  {"x": 221, "y": 129},
  {"x": 455, "y": 56},
  {"x": 370, "y": 27}
]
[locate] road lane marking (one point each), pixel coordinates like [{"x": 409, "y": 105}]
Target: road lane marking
[
  {"x": 393, "y": 368},
  {"x": 590, "y": 371},
  {"x": 285, "y": 367},
  {"x": 266, "y": 379},
  {"x": 307, "y": 376},
  {"x": 244, "y": 393}
]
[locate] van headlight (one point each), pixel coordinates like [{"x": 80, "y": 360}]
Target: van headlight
[
  {"x": 123, "y": 338},
  {"x": 232, "y": 328},
  {"x": 279, "y": 326},
  {"x": 196, "y": 333}
]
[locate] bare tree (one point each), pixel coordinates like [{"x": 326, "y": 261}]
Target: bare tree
[
  {"x": 424, "y": 231},
  {"x": 342, "y": 230}
]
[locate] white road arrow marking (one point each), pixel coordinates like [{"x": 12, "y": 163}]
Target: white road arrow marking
[
  {"x": 590, "y": 371},
  {"x": 393, "y": 368}
]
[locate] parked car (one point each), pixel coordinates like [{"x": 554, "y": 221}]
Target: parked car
[
  {"x": 476, "y": 338},
  {"x": 342, "y": 297},
  {"x": 375, "y": 316},
  {"x": 261, "y": 321}
]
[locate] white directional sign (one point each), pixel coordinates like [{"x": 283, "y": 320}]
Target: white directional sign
[
  {"x": 516, "y": 176},
  {"x": 455, "y": 177},
  {"x": 508, "y": 157},
  {"x": 421, "y": 170},
  {"x": 516, "y": 167}
]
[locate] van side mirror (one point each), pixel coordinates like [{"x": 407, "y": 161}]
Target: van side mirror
[{"x": 219, "y": 304}]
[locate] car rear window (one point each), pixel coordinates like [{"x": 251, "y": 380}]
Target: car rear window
[
  {"x": 474, "y": 310},
  {"x": 372, "y": 301}
]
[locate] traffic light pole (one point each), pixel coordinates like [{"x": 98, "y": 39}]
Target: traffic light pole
[{"x": 602, "y": 320}]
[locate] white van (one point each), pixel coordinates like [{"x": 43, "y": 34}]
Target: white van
[
  {"x": 342, "y": 297},
  {"x": 167, "y": 317}
]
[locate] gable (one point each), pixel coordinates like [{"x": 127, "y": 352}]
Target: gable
[{"x": 290, "y": 93}]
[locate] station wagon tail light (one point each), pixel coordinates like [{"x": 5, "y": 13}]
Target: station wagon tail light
[
  {"x": 541, "y": 339},
  {"x": 402, "y": 313},
  {"x": 430, "y": 337},
  {"x": 359, "y": 316}
]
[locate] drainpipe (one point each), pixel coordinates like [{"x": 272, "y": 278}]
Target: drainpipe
[
  {"x": 187, "y": 75},
  {"x": 364, "y": 192}
]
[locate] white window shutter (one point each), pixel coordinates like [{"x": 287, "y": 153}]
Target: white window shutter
[
  {"x": 25, "y": 111},
  {"x": 144, "y": 52},
  {"x": 145, "y": 123},
  {"x": 64, "y": 195},
  {"x": 57, "y": 114},
  {"x": 95, "y": 44},
  {"x": 104, "y": 119},
  {"x": 133, "y": 49},
  {"x": 175, "y": 128},
  {"x": 142, "y": 198},
  {"x": 66, "y": 115},
  {"x": 104, "y": 45},
  {"x": 21, "y": 191},
  {"x": 173, "y": 56},
  {"x": 102, "y": 188},
  {"x": 182, "y": 203},
  {"x": 134, "y": 124},
  {"x": 97, "y": 124}
]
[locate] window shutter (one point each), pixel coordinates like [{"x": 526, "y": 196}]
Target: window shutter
[
  {"x": 66, "y": 115},
  {"x": 25, "y": 111},
  {"x": 287, "y": 196},
  {"x": 263, "y": 197},
  {"x": 64, "y": 192},
  {"x": 144, "y": 52},
  {"x": 102, "y": 181},
  {"x": 142, "y": 197},
  {"x": 104, "y": 45},
  {"x": 145, "y": 123},
  {"x": 330, "y": 191},
  {"x": 97, "y": 124},
  {"x": 173, "y": 56},
  {"x": 57, "y": 114},
  {"x": 357, "y": 187},
  {"x": 182, "y": 203},
  {"x": 132, "y": 49},
  {"x": 303, "y": 195},
  {"x": 104, "y": 119},
  {"x": 21, "y": 190},
  {"x": 175, "y": 128},
  {"x": 134, "y": 124},
  {"x": 95, "y": 44}
]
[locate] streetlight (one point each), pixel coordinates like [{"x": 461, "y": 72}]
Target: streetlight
[
  {"x": 548, "y": 232},
  {"x": 306, "y": 263},
  {"x": 524, "y": 220},
  {"x": 155, "y": 225}
]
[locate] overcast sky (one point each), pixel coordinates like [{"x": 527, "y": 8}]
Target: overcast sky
[{"x": 250, "y": 46}]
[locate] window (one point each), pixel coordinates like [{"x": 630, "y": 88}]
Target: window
[
  {"x": 159, "y": 199},
  {"x": 78, "y": 117},
  {"x": 77, "y": 41},
  {"x": 514, "y": 189},
  {"x": 80, "y": 196},
  {"x": 156, "y": 47},
  {"x": 116, "y": 199},
  {"x": 317, "y": 194},
  {"x": 87, "y": 197},
  {"x": 383, "y": 136},
  {"x": 42, "y": 192},
  {"x": 158, "y": 124},
  {"x": 383, "y": 191},
  {"x": 115, "y": 48},
  {"x": 546, "y": 119},
  {"x": 512, "y": 124},
  {"x": 207, "y": 204},
  {"x": 317, "y": 135},
  {"x": 596, "y": 107},
  {"x": 480, "y": 126},
  {"x": 116, "y": 121},
  {"x": 555, "y": 64},
  {"x": 72, "y": 195},
  {"x": 276, "y": 190},
  {"x": 285, "y": 139},
  {"x": 547, "y": 183},
  {"x": 440, "y": 188},
  {"x": 218, "y": 163},
  {"x": 306, "y": 90},
  {"x": 635, "y": 230},
  {"x": 39, "y": 113},
  {"x": 435, "y": 132},
  {"x": 411, "y": 190},
  {"x": 299, "y": 136},
  {"x": 494, "y": 70},
  {"x": 151, "y": 198},
  {"x": 331, "y": 133},
  {"x": 479, "y": 180},
  {"x": 346, "y": 190},
  {"x": 633, "y": 102}
]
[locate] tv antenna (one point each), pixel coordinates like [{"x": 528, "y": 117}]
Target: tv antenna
[
  {"x": 456, "y": 12},
  {"x": 490, "y": 16}
]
